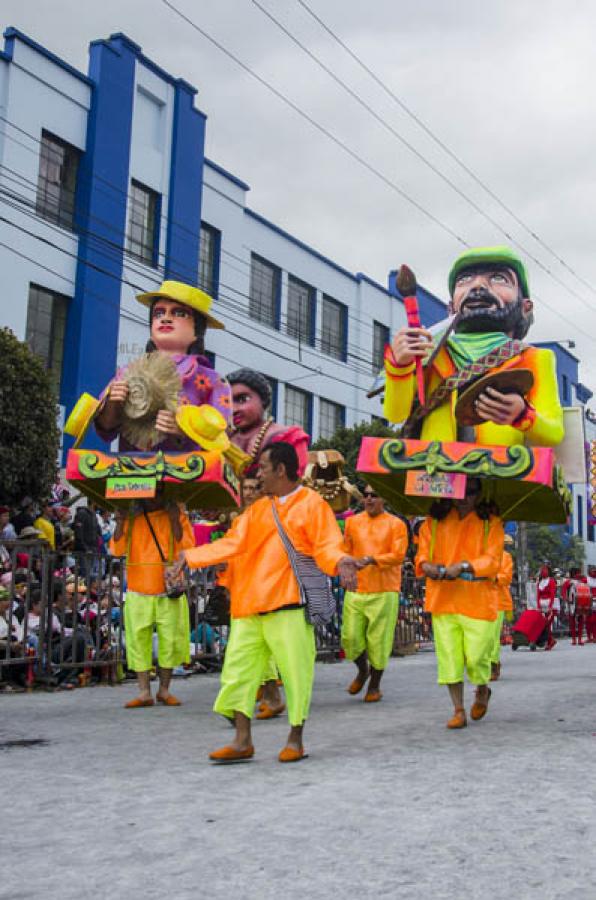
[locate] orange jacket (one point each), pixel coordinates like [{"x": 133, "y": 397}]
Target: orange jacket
[
  {"x": 504, "y": 579},
  {"x": 144, "y": 568},
  {"x": 385, "y": 538},
  {"x": 455, "y": 540},
  {"x": 263, "y": 581}
]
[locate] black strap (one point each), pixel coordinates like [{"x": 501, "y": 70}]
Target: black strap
[{"x": 157, "y": 544}]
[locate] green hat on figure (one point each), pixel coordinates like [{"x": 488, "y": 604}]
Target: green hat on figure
[{"x": 481, "y": 256}]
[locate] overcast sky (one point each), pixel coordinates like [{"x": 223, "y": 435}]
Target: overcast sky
[{"x": 509, "y": 87}]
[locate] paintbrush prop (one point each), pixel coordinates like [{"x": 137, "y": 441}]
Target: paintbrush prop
[{"x": 406, "y": 285}]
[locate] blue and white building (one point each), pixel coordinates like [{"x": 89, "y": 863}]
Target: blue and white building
[{"x": 105, "y": 191}]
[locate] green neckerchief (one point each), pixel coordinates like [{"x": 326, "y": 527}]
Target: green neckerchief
[{"x": 467, "y": 348}]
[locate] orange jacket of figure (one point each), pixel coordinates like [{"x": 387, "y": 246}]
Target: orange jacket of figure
[
  {"x": 144, "y": 568},
  {"x": 472, "y": 539},
  {"x": 263, "y": 581},
  {"x": 385, "y": 538},
  {"x": 504, "y": 579}
]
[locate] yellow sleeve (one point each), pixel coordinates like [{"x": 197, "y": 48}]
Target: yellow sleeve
[
  {"x": 544, "y": 426},
  {"x": 399, "y": 389}
]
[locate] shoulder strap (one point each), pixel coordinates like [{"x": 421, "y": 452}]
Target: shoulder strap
[{"x": 154, "y": 536}]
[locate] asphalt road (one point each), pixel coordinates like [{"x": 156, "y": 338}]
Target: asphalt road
[{"x": 125, "y": 804}]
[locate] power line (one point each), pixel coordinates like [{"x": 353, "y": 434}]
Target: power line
[{"x": 440, "y": 143}]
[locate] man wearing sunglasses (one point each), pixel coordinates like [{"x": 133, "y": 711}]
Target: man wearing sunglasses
[
  {"x": 490, "y": 295},
  {"x": 379, "y": 542}
]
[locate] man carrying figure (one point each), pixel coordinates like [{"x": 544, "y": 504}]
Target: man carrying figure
[
  {"x": 268, "y": 616},
  {"x": 379, "y": 542},
  {"x": 460, "y": 551},
  {"x": 152, "y": 538},
  {"x": 490, "y": 294}
]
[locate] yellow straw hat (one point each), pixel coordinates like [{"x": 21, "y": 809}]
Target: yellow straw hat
[
  {"x": 186, "y": 295},
  {"x": 205, "y": 425}
]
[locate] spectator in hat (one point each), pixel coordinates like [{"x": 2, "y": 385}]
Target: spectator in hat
[{"x": 45, "y": 524}]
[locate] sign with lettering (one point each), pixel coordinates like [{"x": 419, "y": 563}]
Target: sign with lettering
[
  {"x": 130, "y": 487},
  {"x": 448, "y": 485}
]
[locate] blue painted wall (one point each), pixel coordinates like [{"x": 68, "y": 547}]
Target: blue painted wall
[
  {"x": 186, "y": 184},
  {"x": 93, "y": 317},
  {"x": 432, "y": 309}
]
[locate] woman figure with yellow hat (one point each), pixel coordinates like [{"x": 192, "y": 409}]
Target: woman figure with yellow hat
[{"x": 196, "y": 401}]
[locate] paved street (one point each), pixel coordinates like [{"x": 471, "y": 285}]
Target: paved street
[{"x": 389, "y": 804}]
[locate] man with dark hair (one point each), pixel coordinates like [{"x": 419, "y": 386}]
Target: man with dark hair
[
  {"x": 267, "y": 612},
  {"x": 460, "y": 551},
  {"x": 490, "y": 295}
]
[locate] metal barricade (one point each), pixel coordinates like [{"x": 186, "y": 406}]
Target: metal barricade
[
  {"x": 57, "y": 632},
  {"x": 414, "y": 626}
]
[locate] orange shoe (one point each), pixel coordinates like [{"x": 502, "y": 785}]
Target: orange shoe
[
  {"x": 270, "y": 712},
  {"x": 170, "y": 700},
  {"x": 358, "y": 683},
  {"x": 479, "y": 707},
  {"x": 138, "y": 703},
  {"x": 231, "y": 755},
  {"x": 373, "y": 696},
  {"x": 290, "y": 754},
  {"x": 458, "y": 719}
]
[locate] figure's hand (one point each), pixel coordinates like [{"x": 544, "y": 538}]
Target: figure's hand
[
  {"x": 503, "y": 409},
  {"x": 118, "y": 392},
  {"x": 431, "y": 571},
  {"x": 453, "y": 571},
  {"x": 166, "y": 421},
  {"x": 410, "y": 343},
  {"x": 347, "y": 569}
]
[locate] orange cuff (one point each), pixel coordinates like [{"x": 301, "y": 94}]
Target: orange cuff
[
  {"x": 526, "y": 420},
  {"x": 391, "y": 367}
]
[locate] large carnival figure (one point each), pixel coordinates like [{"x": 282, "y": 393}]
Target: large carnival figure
[{"x": 166, "y": 405}]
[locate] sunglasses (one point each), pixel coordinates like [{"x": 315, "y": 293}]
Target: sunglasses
[{"x": 370, "y": 494}]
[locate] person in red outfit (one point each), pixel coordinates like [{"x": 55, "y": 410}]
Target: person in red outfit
[
  {"x": 591, "y": 622},
  {"x": 545, "y": 600},
  {"x": 576, "y": 619}
]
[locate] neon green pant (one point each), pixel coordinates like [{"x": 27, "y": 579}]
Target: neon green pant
[
  {"x": 495, "y": 656},
  {"x": 368, "y": 623},
  {"x": 270, "y": 672},
  {"x": 287, "y": 637},
  {"x": 463, "y": 643},
  {"x": 146, "y": 613}
]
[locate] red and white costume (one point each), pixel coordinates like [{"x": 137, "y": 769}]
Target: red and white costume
[
  {"x": 576, "y": 620},
  {"x": 546, "y": 591}
]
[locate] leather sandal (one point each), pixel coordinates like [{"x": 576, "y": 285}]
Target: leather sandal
[
  {"x": 138, "y": 703},
  {"x": 228, "y": 755},
  {"x": 458, "y": 719},
  {"x": 290, "y": 754},
  {"x": 479, "y": 707},
  {"x": 357, "y": 684},
  {"x": 170, "y": 700},
  {"x": 373, "y": 696},
  {"x": 270, "y": 712}
]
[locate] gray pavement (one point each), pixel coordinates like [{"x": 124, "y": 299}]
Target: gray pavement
[{"x": 124, "y": 804}]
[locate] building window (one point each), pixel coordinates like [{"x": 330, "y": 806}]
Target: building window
[
  {"x": 46, "y": 323},
  {"x": 209, "y": 259},
  {"x": 265, "y": 281},
  {"x": 143, "y": 224},
  {"x": 301, "y": 310},
  {"x": 580, "y": 515},
  {"x": 274, "y": 393},
  {"x": 297, "y": 410},
  {"x": 380, "y": 340},
  {"x": 57, "y": 180},
  {"x": 590, "y": 530},
  {"x": 332, "y": 416},
  {"x": 565, "y": 388},
  {"x": 334, "y": 328}
]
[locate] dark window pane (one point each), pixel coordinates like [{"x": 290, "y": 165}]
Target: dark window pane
[
  {"x": 208, "y": 260},
  {"x": 300, "y": 310},
  {"x": 331, "y": 417},
  {"x": 46, "y": 323},
  {"x": 264, "y": 292},
  {"x": 143, "y": 225},
  {"x": 297, "y": 408},
  {"x": 57, "y": 180},
  {"x": 333, "y": 328},
  {"x": 380, "y": 339}
]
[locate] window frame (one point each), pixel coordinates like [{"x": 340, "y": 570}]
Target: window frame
[
  {"x": 215, "y": 234},
  {"x": 379, "y": 327},
  {"x": 309, "y": 407},
  {"x": 276, "y": 271},
  {"x": 309, "y": 338},
  {"x": 342, "y": 416},
  {"x": 55, "y": 315}
]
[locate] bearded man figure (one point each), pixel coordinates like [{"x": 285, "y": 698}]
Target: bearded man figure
[{"x": 490, "y": 295}]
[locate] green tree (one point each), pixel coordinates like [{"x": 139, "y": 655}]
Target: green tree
[
  {"x": 29, "y": 435},
  {"x": 348, "y": 440},
  {"x": 552, "y": 544}
]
